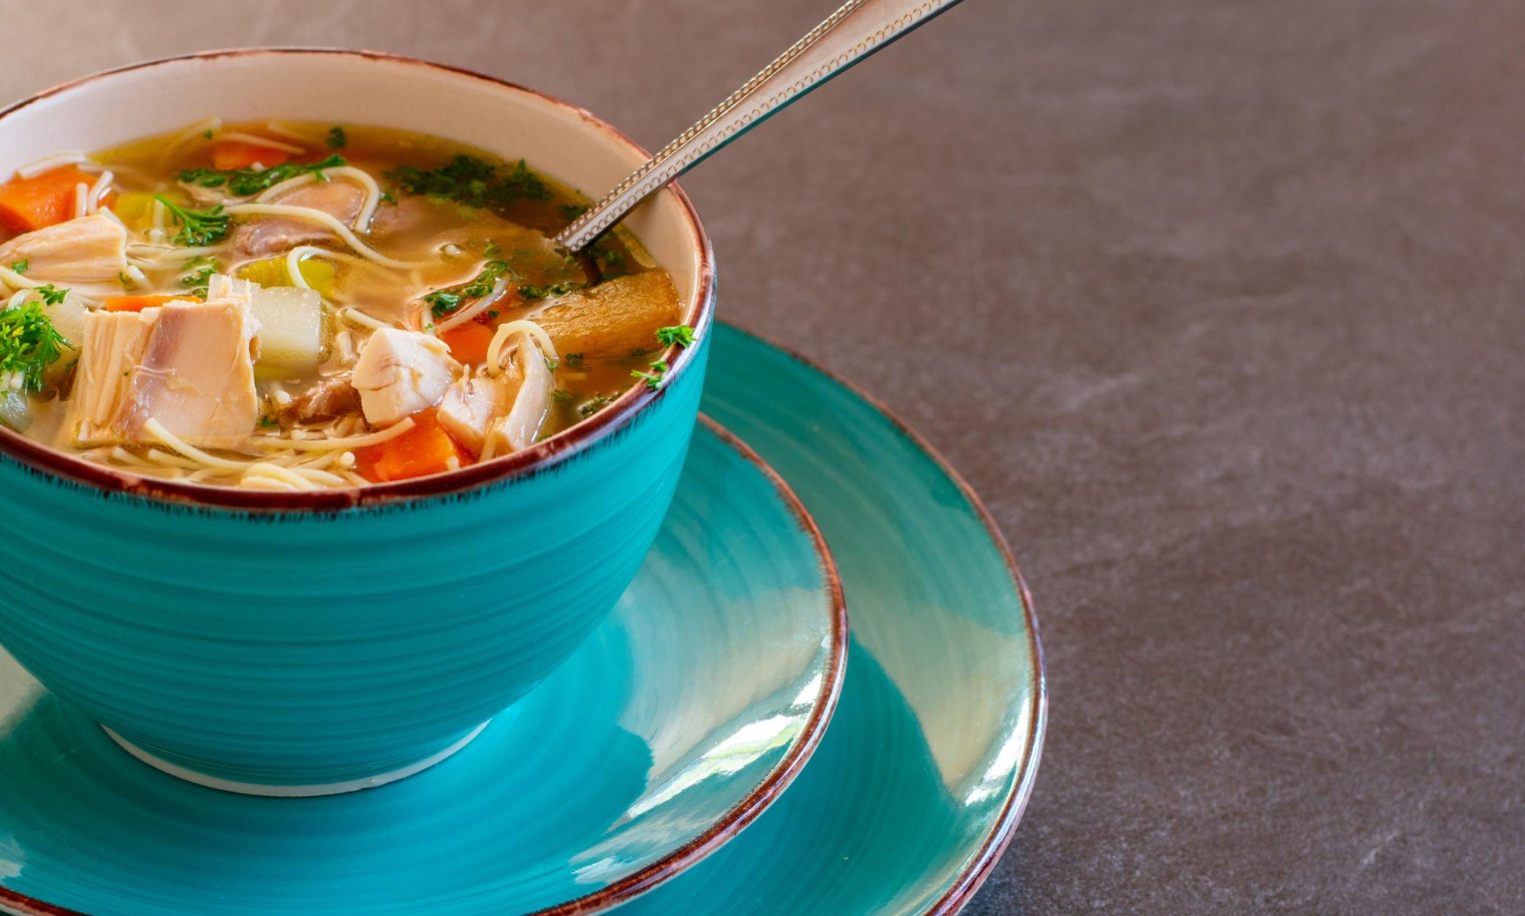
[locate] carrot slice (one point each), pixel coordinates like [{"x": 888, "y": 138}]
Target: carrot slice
[
  {"x": 425, "y": 449},
  {"x": 139, "y": 303},
  {"x": 27, "y": 204},
  {"x": 236, "y": 154},
  {"x": 468, "y": 342}
]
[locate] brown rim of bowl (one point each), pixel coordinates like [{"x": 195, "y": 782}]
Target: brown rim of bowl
[
  {"x": 756, "y": 801},
  {"x": 523, "y": 463},
  {"x": 973, "y": 875}
]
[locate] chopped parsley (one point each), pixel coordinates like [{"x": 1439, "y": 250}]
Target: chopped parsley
[
  {"x": 594, "y": 406},
  {"x": 268, "y": 422},
  {"x": 197, "y": 227},
  {"x": 29, "y": 343},
  {"x": 21, "y": 265},
  {"x": 561, "y": 394},
  {"x": 611, "y": 262},
  {"x": 250, "y": 181},
  {"x": 206, "y": 134},
  {"x": 574, "y": 361},
  {"x": 444, "y": 301},
  {"x": 529, "y": 291},
  {"x": 681, "y": 334},
  {"x": 655, "y": 378},
  {"x": 570, "y": 212},
  {"x": 472, "y": 181},
  {"x": 199, "y": 274},
  {"x": 126, "y": 281},
  {"x": 551, "y": 364},
  {"x": 387, "y": 198},
  {"x": 336, "y": 138},
  {"x": 51, "y": 295}
]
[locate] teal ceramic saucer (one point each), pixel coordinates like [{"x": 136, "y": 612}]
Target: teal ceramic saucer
[
  {"x": 684, "y": 716},
  {"x": 929, "y": 761}
]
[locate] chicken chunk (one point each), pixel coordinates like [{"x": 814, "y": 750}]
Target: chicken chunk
[
  {"x": 520, "y": 427},
  {"x": 188, "y": 365},
  {"x": 330, "y": 398},
  {"x": 275, "y": 234},
  {"x": 88, "y": 250},
  {"x": 400, "y": 373},
  {"x": 471, "y": 404},
  {"x": 111, "y": 346},
  {"x": 614, "y": 318}
]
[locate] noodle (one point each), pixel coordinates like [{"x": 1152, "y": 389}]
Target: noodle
[
  {"x": 507, "y": 329},
  {"x": 49, "y": 163},
  {"x": 476, "y": 308}
]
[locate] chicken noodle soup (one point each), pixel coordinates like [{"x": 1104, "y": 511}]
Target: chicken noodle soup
[{"x": 296, "y": 306}]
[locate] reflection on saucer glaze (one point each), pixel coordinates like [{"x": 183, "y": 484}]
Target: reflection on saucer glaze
[
  {"x": 682, "y": 717},
  {"x": 932, "y": 753}
]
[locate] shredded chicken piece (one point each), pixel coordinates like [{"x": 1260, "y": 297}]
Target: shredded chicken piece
[
  {"x": 87, "y": 250},
  {"x": 520, "y": 427},
  {"x": 190, "y": 366},
  {"x": 472, "y": 403},
  {"x": 400, "y": 373}
]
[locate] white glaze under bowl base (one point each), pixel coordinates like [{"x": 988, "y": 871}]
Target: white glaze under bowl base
[{"x": 293, "y": 791}]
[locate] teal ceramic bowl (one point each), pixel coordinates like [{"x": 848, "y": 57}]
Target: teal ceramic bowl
[{"x": 320, "y": 642}]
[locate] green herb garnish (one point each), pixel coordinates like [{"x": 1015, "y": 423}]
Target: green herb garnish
[
  {"x": 269, "y": 422},
  {"x": 51, "y": 295},
  {"x": 198, "y": 274},
  {"x": 574, "y": 361},
  {"x": 529, "y": 291},
  {"x": 611, "y": 262},
  {"x": 570, "y": 212},
  {"x": 251, "y": 181},
  {"x": 656, "y": 377},
  {"x": 197, "y": 227},
  {"x": 29, "y": 343},
  {"x": 336, "y": 138},
  {"x": 561, "y": 394},
  {"x": 21, "y": 265},
  {"x": 126, "y": 281},
  {"x": 444, "y": 301},
  {"x": 472, "y": 181},
  {"x": 594, "y": 406},
  {"x": 680, "y": 334}
]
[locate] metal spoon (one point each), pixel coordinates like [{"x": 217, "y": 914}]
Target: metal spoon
[{"x": 853, "y": 32}]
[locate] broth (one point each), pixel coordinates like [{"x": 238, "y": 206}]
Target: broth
[{"x": 288, "y": 305}]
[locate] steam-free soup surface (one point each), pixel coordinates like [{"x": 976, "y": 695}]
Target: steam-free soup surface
[{"x": 285, "y": 305}]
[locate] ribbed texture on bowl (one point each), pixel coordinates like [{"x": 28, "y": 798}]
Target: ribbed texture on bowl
[{"x": 312, "y": 648}]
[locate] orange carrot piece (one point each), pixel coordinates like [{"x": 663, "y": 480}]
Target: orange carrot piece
[
  {"x": 425, "y": 449},
  {"x": 27, "y": 204},
  {"x": 139, "y": 303},
  {"x": 236, "y": 154},
  {"x": 468, "y": 342}
]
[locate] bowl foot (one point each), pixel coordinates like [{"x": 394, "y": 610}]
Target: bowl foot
[{"x": 291, "y": 791}]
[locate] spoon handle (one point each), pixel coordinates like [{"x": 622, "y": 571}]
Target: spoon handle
[{"x": 853, "y": 32}]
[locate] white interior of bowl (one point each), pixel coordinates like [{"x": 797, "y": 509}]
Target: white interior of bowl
[{"x": 556, "y": 139}]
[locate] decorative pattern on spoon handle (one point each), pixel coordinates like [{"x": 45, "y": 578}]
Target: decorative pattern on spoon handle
[{"x": 857, "y": 29}]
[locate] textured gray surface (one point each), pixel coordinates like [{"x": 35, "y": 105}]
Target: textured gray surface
[{"x": 1217, "y": 302}]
